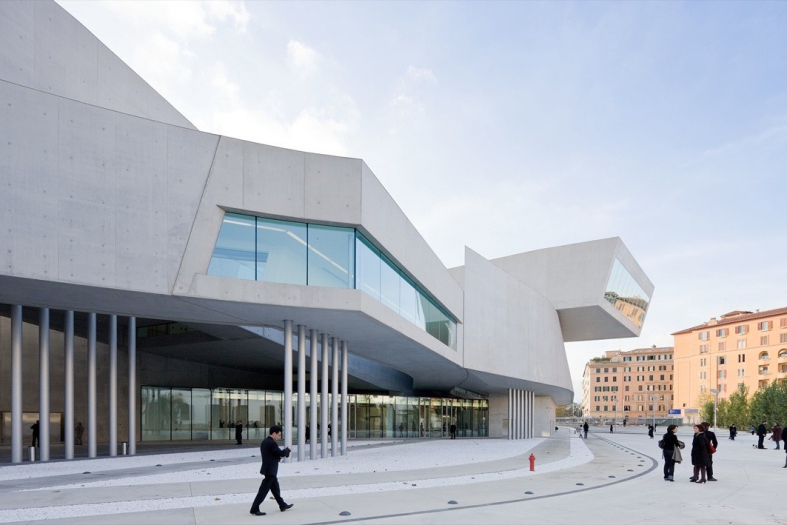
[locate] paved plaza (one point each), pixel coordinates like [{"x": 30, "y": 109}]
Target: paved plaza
[{"x": 608, "y": 478}]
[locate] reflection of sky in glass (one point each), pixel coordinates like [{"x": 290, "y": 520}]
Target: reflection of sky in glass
[{"x": 626, "y": 295}]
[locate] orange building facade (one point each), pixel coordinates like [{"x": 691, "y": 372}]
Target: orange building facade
[
  {"x": 739, "y": 347},
  {"x": 628, "y": 386}
]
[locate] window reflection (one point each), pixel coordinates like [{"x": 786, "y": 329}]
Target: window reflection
[
  {"x": 626, "y": 295},
  {"x": 213, "y": 414},
  {"x": 290, "y": 252}
]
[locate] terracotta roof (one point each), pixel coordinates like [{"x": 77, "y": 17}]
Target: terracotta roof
[{"x": 735, "y": 319}]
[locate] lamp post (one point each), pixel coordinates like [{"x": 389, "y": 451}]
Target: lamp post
[
  {"x": 653, "y": 399},
  {"x": 615, "y": 400},
  {"x": 715, "y": 392}
]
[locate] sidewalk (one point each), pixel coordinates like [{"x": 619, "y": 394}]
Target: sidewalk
[{"x": 609, "y": 478}]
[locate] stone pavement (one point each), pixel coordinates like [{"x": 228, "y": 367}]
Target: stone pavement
[{"x": 621, "y": 484}]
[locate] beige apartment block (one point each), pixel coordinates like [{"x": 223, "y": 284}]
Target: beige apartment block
[
  {"x": 628, "y": 386},
  {"x": 739, "y": 347}
]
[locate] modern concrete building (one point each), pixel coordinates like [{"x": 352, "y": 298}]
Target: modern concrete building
[
  {"x": 159, "y": 282},
  {"x": 738, "y": 347},
  {"x": 633, "y": 386}
]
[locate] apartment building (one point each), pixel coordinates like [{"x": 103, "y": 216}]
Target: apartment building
[
  {"x": 628, "y": 386},
  {"x": 738, "y": 347}
]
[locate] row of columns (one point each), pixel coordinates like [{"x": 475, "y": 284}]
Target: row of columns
[
  {"x": 520, "y": 414},
  {"x": 338, "y": 353},
  {"x": 17, "y": 445}
]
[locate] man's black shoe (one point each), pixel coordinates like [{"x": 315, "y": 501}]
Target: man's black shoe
[
  {"x": 256, "y": 513},
  {"x": 286, "y": 506},
  {"x": 712, "y": 479}
]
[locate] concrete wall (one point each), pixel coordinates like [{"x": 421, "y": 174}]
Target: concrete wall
[
  {"x": 95, "y": 197},
  {"x": 498, "y": 415},
  {"x": 45, "y": 48},
  {"x": 544, "y": 416},
  {"x": 510, "y": 329}
]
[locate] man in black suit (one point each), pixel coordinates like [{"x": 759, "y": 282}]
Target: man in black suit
[
  {"x": 271, "y": 455},
  {"x": 711, "y": 435},
  {"x": 761, "y": 433}
]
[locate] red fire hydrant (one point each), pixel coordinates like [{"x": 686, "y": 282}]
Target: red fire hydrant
[{"x": 532, "y": 463}]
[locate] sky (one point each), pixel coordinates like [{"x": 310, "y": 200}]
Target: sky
[{"x": 514, "y": 126}]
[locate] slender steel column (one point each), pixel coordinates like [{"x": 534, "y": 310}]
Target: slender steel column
[
  {"x": 517, "y": 414},
  {"x": 521, "y": 414},
  {"x": 524, "y": 414},
  {"x": 132, "y": 386},
  {"x": 287, "y": 386},
  {"x": 301, "y": 392},
  {"x": 344, "y": 398},
  {"x": 532, "y": 414},
  {"x": 91, "y": 385},
  {"x": 515, "y": 404},
  {"x": 113, "y": 385},
  {"x": 335, "y": 398},
  {"x": 510, "y": 418},
  {"x": 43, "y": 384},
  {"x": 313, "y": 395},
  {"x": 68, "y": 382},
  {"x": 324, "y": 398},
  {"x": 16, "y": 383}
]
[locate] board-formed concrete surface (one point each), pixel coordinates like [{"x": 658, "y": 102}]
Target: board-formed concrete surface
[{"x": 609, "y": 478}]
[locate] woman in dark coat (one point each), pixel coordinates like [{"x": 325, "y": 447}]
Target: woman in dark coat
[
  {"x": 699, "y": 455},
  {"x": 670, "y": 441}
]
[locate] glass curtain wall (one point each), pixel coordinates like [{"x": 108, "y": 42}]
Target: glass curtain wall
[
  {"x": 277, "y": 251},
  {"x": 171, "y": 414}
]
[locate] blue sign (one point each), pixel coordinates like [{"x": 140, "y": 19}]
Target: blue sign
[{"x": 674, "y": 411}]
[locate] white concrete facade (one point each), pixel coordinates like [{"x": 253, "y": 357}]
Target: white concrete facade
[{"x": 112, "y": 203}]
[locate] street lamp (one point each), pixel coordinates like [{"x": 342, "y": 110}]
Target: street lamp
[
  {"x": 615, "y": 400},
  {"x": 715, "y": 392},
  {"x": 653, "y": 399}
]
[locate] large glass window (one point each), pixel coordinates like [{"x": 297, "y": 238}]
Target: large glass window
[
  {"x": 181, "y": 414},
  {"x": 367, "y": 269},
  {"x": 281, "y": 251},
  {"x": 233, "y": 255},
  {"x": 155, "y": 413},
  {"x": 626, "y": 295},
  {"x": 331, "y": 256},
  {"x": 200, "y": 413},
  {"x": 389, "y": 284},
  {"x": 311, "y": 254}
]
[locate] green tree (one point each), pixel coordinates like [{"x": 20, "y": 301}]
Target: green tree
[
  {"x": 769, "y": 403},
  {"x": 706, "y": 407},
  {"x": 738, "y": 410}
]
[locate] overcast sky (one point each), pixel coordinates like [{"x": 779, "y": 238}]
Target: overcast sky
[{"x": 515, "y": 126}]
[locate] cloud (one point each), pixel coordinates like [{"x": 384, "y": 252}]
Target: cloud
[
  {"x": 302, "y": 60},
  {"x": 186, "y": 20},
  {"x": 407, "y": 107},
  {"x": 416, "y": 75}
]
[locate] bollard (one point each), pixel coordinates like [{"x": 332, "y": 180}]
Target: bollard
[
  {"x": 31, "y": 453},
  {"x": 124, "y": 448},
  {"x": 532, "y": 463}
]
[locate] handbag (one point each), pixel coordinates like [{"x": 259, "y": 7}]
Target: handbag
[
  {"x": 661, "y": 443},
  {"x": 711, "y": 448},
  {"x": 677, "y": 457}
]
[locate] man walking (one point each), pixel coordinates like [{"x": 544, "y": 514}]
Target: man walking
[
  {"x": 271, "y": 455},
  {"x": 453, "y": 430},
  {"x": 761, "y": 432},
  {"x": 36, "y": 435},
  {"x": 586, "y": 427}
]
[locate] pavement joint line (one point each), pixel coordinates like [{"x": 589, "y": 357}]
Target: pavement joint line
[{"x": 654, "y": 464}]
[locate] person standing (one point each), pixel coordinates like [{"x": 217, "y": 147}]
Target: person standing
[
  {"x": 715, "y": 442},
  {"x": 239, "y": 432},
  {"x": 401, "y": 430},
  {"x": 586, "y": 427},
  {"x": 453, "y": 430},
  {"x": 670, "y": 442},
  {"x": 79, "y": 429},
  {"x": 777, "y": 434},
  {"x": 761, "y": 432},
  {"x": 611, "y": 429},
  {"x": 651, "y": 429},
  {"x": 699, "y": 455},
  {"x": 36, "y": 435},
  {"x": 271, "y": 455},
  {"x": 733, "y": 431}
]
